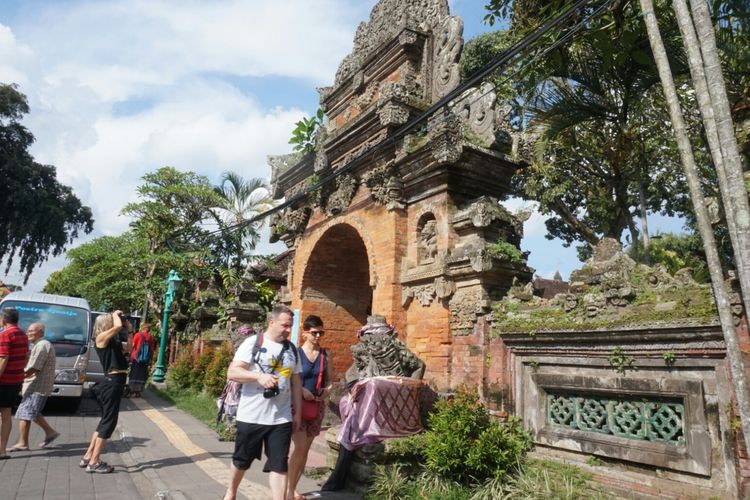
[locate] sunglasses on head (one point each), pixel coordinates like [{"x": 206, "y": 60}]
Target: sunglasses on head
[{"x": 319, "y": 333}]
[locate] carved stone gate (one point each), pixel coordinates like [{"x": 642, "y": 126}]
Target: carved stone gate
[{"x": 410, "y": 233}]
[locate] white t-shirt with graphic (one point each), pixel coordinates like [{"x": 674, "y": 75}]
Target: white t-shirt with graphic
[{"x": 253, "y": 407}]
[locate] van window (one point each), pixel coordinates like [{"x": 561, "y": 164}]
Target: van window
[{"x": 62, "y": 324}]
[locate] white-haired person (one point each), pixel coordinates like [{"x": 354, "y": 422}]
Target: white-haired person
[
  {"x": 37, "y": 386},
  {"x": 109, "y": 392}
]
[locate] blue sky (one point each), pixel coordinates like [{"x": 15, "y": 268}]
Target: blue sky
[{"x": 120, "y": 88}]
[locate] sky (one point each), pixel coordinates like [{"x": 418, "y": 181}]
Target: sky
[{"x": 118, "y": 89}]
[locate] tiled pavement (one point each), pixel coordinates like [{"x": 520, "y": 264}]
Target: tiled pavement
[{"x": 157, "y": 450}]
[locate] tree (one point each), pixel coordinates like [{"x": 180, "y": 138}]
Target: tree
[
  {"x": 243, "y": 200},
  {"x": 39, "y": 216},
  {"x": 172, "y": 215},
  {"x": 110, "y": 272},
  {"x": 734, "y": 355}
]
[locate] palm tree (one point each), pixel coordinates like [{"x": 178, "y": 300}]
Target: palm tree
[{"x": 244, "y": 199}]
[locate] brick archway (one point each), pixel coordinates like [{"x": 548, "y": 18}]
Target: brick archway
[{"x": 336, "y": 287}]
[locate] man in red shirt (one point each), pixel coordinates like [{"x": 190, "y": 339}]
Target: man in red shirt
[{"x": 14, "y": 350}]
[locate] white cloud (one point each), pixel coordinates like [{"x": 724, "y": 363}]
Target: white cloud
[{"x": 120, "y": 88}]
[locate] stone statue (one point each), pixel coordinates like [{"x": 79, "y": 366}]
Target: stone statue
[
  {"x": 428, "y": 242},
  {"x": 380, "y": 353}
]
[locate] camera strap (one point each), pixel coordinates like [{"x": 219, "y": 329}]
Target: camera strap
[{"x": 259, "y": 343}]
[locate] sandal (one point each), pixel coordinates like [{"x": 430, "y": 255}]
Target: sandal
[
  {"x": 84, "y": 463},
  {"x": 48, "y": 440},
  {"x": 100, "y": 468},
  {"x": 17, "y": 448}
]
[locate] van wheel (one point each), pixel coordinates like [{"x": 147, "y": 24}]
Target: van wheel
[{"x": 72, "y": 404}]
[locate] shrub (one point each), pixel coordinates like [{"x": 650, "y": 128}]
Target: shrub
[
  {"x": 216, "y": 371},
  {"x": 179, "y": 373},
  {"x": 464, "y": 444},
  {"x": 390, "y": 483},
  {"x": 199, "y": 369}
]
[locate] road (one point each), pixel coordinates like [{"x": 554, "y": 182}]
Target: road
[{"x": 158, "y": 452}]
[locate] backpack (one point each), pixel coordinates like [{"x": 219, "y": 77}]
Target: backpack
[
  {"x": 144, "y": 352},
  {"x": 230, "y": 397}
]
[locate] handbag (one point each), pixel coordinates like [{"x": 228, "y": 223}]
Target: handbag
[{"x": 310, "y": 407}]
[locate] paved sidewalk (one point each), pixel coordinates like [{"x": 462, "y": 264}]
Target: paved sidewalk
[{"x": 158, "y": 452}]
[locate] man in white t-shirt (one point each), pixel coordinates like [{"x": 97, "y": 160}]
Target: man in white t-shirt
[{"x": 268, "y": 368}]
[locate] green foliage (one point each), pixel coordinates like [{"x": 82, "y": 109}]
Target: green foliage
[
  {"x": 266, "y": 294},
  {"x": 180, "y": 372},
  {"x": 303, "y": 136},
  {"x": 39, "y": 217},
  {"x": 465, "y": 445},
  {"x": 675, "y": 252},
  {"x": 389, "y": 483},
  {"x": 407, "y": 449},
  {"x": 215, "y": 376},
  {"x": 594, "y": 461},
  {"x": 244, "y": 199},
  {"x": 503, "y": 248},
  {"x": 669, "y": 357},
  {"x": 620, "y": 361},
  {"x": 200, "y": 365}
]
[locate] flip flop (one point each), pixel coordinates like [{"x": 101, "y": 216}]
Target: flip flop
[
  {"x": 48, "y": 441},
  {"x": 4, "y": 457},
  {"x": 17, "y": 448}
]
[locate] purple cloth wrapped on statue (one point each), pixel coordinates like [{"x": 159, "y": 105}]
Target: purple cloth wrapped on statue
[{"x": 379, "y": 408}]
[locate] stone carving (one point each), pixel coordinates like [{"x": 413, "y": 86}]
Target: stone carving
[
  {"x": 593, "y": 303},
  {"x": 289, "y": 225},
  {"x": 618, "y": 292},
  {"x": 475, "y": 108},
  {"x": 386, "y": 186},
  {"x": 480, "y": 259},
  {"x": 387, "y": 19},
  {"x": 381, "y": 353},
  {"x": 280, "y": 164},
  {"x": 465, "y": 306},
  {"x": 427, "y": 242},
  {"x": 441, "y": 288},
  {"x": 570, "y": 301},
  {"x": 445, "y": 136},
  {"x": 484, "y": 211},
  {"x": 444, "y": 288},
  {"x": 445, "y": 69},
  {"x": 522, "y": 292},
  {"x": 338, "y": 201}
]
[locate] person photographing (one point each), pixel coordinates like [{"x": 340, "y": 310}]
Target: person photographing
[
  {"x": 268, "y": 367},
  {"x": 109, "y": 392}
]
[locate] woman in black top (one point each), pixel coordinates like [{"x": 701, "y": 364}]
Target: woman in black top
[{"x": 109, "y": 392}]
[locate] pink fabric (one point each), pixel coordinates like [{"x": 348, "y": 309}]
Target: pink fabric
[{"x": 379, "y": 408}]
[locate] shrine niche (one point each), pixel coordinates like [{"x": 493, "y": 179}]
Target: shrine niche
[{"x": 411, "y": 232}]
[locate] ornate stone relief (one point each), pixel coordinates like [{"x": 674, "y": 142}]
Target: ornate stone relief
[
  {"x": 387, "y": 18},
  {"x": 338, "y": 201},
  {"x": 386, "y": 186},
  {"x": 427, "y": 241},
  {"x": 445, "y": 68},
  {"x": 480, "y": 259},
  {"x": 280, "y": 164},
  {"x": 465, "y": 306},
  {"x": 289, "y": 225},
  {"x": 475, "y": 107},
  {"x": 445, "y": 136},
  {"x": 483, "y": 212},
  {"x": 441, "y": 288}
]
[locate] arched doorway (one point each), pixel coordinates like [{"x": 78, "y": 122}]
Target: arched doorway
[{"x": 336, "y": 287}]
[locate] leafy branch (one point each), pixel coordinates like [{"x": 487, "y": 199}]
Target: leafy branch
[{"x": 303, "y": 136}]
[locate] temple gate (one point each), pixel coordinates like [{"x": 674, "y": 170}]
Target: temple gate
[{"x": 415, "y": 232}]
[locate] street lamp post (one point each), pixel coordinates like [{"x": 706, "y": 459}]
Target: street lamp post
[{"x": 172, "y": 281}]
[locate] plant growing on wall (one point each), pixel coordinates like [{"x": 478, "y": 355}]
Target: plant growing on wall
[
  {"x": 620, "y": 361},
  {"x": 503, "y": 248},
  {"x": 303, "y": 136}
]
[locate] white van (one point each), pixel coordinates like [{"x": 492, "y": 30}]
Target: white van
[{"x": 67, "y": 326}]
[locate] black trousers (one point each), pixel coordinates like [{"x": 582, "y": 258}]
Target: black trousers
[{"x": 109, "y": 394}]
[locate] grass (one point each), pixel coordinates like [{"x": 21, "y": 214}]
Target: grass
[{"x": 536, "y": 480}]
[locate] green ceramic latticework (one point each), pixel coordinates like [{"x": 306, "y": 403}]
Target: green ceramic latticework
[{"x": 634, "y": 419}]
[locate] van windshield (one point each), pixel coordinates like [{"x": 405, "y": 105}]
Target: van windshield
[{"x": 62, "y": 324}]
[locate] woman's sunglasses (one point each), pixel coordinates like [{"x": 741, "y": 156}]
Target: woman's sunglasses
[{"x": 319, "y": 333}]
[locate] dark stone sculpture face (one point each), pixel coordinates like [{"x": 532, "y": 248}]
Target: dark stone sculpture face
[{"x": 380, "y": 353}]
